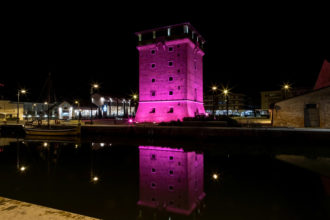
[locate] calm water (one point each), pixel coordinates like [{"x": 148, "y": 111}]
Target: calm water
[{"x": 131, "y": 181}]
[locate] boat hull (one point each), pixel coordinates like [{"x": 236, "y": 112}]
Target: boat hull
[{"x": 53, "y": 132}]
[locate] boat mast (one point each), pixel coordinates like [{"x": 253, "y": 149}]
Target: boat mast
[{"x": 49, "y": 84}]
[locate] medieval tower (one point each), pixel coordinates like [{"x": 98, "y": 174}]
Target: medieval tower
[{"x": 170, "y": 73}]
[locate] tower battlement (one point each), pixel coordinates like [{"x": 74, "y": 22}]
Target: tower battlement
[{"x": 171, "y": 32}]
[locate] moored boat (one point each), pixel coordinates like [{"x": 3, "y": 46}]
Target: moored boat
[{"x": 53, "y": 131}]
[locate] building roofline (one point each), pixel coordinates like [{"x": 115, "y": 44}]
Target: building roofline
[
  {"x": 303, "y": 94},
  {"x": 172, "y": 26}
]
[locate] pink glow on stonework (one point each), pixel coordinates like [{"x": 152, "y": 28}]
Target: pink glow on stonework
[
  {"x": 171, "y": 179},
  {"x": 171, "y": 81},
  {"x": 323, "y": 79}
]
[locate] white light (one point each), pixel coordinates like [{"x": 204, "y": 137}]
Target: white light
[
  {"x": 102, "y": 144},
  {"x": 102, "y": 99},
  {"x": 95, "y": 178},
  {"x": 23, "y": 168},
  {"x": 215, "y": 176},
  {"x": 45, "y": 144}
]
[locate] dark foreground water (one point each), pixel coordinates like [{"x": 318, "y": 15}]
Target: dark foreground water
[{"x": 133, "y": 181}]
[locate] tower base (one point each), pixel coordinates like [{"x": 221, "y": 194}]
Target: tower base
[{"x": 166, "y": 111}]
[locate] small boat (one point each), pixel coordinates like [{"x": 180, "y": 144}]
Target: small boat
[{"x": 53, "y": 131}]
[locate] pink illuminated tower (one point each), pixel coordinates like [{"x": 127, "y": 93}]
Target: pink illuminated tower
[
  {"x": 171, "y": 73},
  {"x": 171, "y": 179}
]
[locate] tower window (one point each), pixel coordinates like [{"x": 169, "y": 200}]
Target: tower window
[
  {"x": 171, "y": 172},
  {"x": 171, "y": 93},
  {"x": 153, "y": 65},
  {"x": 171, "y": 110},
  {"x": 153, "y": 170},
  {"x": 170, "y": 78},
  {"x": 170, "y": 49},
  {"x": 153, "y": 157},
  {"x": 153, "y": 80},
  {"x": 153, "y": 185},
  {"x": 170, "y": 63},
  {"x": 179, "y": 87},
  {"x": 153, "y": 93},
  {"x": 153, "y": 110},
  {"x": 170, "y": 188},
  {"x": 153, "y": 51},
  {"x": 171, "y": 158}
]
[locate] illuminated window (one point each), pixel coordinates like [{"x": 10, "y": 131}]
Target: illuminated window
[
  {"x": 153, "y": 65},
  {"x": 153, "y": 80},
  {"x": 170, "y": 78},
  {"x": 171, "y": 92},
  {"x": 170, "y": 49},
  {"x": 170, "y": 63}
]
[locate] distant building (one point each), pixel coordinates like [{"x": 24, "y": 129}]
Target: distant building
[
  {"x": 171, "y": 179},
  {"x": 170, "y": 73},
  {"x": 112, "y": 106},
  {"x": 8, "y": 110},
  {"x": 308, "y": 110},
  {"x": 236, "y": 103},
  {"x": 269, "y": 98}
]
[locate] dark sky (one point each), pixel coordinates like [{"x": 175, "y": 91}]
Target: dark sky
[{"x": 249, "y": 50}]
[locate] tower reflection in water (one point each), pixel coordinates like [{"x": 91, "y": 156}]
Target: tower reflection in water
[{"x": 171, "y": 180}]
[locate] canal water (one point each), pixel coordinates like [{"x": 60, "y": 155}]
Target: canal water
[{"x": 119, "y": 180}]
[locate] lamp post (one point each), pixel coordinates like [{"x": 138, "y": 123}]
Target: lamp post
[
  {"x": 135, "y": 98},
  {"x": 78, "y": 103},
  {"x": 225, "y": 93},
  {"x": 286, "y": 87},
  {"x": 94, "y": 86},
  {"x": 214, "y": 89},
  {"x": 23, "y": 91}
]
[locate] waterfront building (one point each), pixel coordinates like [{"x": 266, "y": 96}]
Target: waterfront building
[
  {"x": 237, "y": 103},
  {"x": 8, "y": 110},
  {"x": 114, "y": 106},
  {"x": 170, "y": 73},
  {"x": 311, "y": 109},
  {"x": 269, "y": 98},
  {"x": 171, "y": 179}
]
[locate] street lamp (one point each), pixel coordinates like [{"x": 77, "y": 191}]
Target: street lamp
[
  {"x": 135, "y": 99},
  {"x": 23, "y": 91},
  {"x": 286, "y": 87},
  {"x": 78, "y": 103},
  {"x": 225, "y": 93},
  {"x": 94, "y": 86},
  {"x": 214, "y": 89}
]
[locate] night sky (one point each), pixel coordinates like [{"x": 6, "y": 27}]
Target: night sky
[{"x": 250, "y": 51}]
